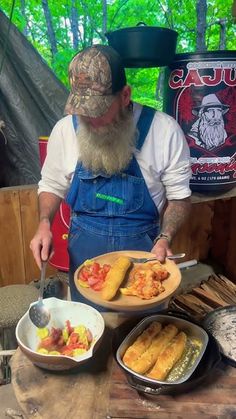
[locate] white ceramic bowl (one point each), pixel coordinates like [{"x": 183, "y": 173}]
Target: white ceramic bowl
[{"x": 76, "y": 313}]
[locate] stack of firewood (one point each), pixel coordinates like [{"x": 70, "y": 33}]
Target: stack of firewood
[{"x": 217, "y": 291}]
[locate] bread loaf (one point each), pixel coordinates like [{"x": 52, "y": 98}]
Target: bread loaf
[
  {"x": 149, "y": 357},
  {"x": 115, "y": 277},
  {"x": 141, "y": 344},
  {"x": 167, "y": 359}
]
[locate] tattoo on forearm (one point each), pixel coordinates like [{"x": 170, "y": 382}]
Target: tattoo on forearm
[{"x": 174, "y": 216}]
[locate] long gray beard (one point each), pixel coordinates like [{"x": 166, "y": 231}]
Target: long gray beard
[
  {"x": 108, "y": 149},
  {"x": 212, "y": 135}
]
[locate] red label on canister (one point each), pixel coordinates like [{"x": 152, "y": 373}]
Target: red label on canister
[{"x": 200, "y": 93}]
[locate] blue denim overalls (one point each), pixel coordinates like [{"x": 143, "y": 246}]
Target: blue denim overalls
[{"x": 110, "y": 213}]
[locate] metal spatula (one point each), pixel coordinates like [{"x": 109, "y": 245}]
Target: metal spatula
[{"x": 38, "y": 312}]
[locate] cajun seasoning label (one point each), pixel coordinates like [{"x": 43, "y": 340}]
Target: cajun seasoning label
[{"x": 200, "y": 94}]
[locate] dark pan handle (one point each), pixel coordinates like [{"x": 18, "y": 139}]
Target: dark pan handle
[
  {"x": 182, "y": 315},
  {"x": 143, "y": 388},
  {"x": 177, "y": 313},
  {"x": 141, "y": 24}
]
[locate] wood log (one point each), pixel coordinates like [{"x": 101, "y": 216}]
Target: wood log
[
  {"x": 215, "y": 292},
  {"x": 227, "y": 283},
  {"x": 207, "y": 297},
  {"x": 222, "y": 291},
  {"x": 206, "y": 286},
  {"x": 193, "y": 304}
]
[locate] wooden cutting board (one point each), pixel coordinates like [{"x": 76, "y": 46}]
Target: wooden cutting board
[{"x": 99, "y": 390}]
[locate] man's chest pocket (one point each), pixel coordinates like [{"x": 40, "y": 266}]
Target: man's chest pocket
[{"x": 113, "y": 196}]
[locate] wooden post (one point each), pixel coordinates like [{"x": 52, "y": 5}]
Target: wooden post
[
  {"x": 234, "y": 9},
  {"x": 12, "y": 266},
  {"x": 18, "y": 221}
]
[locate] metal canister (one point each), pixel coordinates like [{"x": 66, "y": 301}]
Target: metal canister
[{"x": 200, "y": 93}]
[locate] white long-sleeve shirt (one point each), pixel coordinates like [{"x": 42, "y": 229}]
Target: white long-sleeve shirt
[{"x": 164, "y": 159}]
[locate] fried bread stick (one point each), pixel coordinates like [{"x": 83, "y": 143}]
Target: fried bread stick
[
  {"x": 167, "y": 359},
  {"x": 149, "y": 357},
  {"x": 142, "y": 343},
  {"x": 115, "y": 277}
]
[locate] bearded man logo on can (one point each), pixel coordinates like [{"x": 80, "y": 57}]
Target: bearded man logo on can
[{"x": 208, "y": 131}]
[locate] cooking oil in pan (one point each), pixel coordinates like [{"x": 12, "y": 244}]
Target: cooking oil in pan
[{"x": 185, "y": 363}]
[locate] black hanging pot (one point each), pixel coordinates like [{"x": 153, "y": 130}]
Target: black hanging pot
[{"x": 144, "y": 46}]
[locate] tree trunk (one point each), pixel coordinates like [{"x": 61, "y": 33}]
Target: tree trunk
[
  {"x": 92, "y": 21},
  {"x": 50, "y": 31},
  {"x": 222, "y": 24},
  {"x": 104, "y": 16},
  {"x": 167, "y": 10},
  {"x": 234, "y": 9},
  {"x": 201, "y": 10},
  {"x": 22, "y": 8},
  {"x": 88, "y": 33},
  {"x": 160, "y": 85},
  {"x": 74, "y": 24}
]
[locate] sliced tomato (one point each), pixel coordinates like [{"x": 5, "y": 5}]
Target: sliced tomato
[
  {"x": 98, "y": 286},
  {"x": 70, "y": 329},
  {"x": 77, "y": 345},
  {"x": 102, "y": 274},
  {"x": 67, "y": 352},
  {"x": 74, "y": 337},
  {"x": 60, "y": 342},
  {"x": 95, "y": 268},
  {"x": 55, "y": 334},
  {"x": 46, "y": 342},
  {"x": 84, "y": 274},
  {"x": 106, "y": 268},
  {"x": 94, "y": 274},
  {"x": 93, "y": 280}
]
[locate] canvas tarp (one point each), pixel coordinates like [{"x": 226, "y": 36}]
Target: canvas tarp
[{"x": 32, "y": 99}]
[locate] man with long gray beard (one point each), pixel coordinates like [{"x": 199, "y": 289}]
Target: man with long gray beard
[
  {"x": 123, "y": 168},
  {"x": 208, "y": 130}
]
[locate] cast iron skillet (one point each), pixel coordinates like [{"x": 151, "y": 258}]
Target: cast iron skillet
[
  {"x": 211, "y": 323},
  {"x": 209, "y": 361}
]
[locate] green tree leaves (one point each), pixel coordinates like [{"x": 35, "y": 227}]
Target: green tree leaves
[{"x": 59, "y": 28}]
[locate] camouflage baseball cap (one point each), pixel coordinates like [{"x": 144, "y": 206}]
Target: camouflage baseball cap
[{"x": 96, "y": 74}]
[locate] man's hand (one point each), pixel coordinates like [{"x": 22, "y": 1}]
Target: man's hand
[
  {"x": 41, "y": 244},
  {"x": 162, "y": 249},
  {"x": 175, "y": 214}
]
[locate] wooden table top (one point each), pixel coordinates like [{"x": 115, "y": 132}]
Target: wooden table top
[{"x": 99, "y": 390}]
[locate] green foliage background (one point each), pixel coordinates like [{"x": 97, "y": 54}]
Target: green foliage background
[{"x": 180, "y": 15}]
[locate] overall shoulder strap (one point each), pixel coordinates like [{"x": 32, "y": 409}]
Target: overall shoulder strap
[
  {"x": 75, "y": 122},
  {"x": 144, "y": 124}
]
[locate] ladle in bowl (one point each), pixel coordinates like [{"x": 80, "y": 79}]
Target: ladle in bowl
[{"x": 38, "y": 312}]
